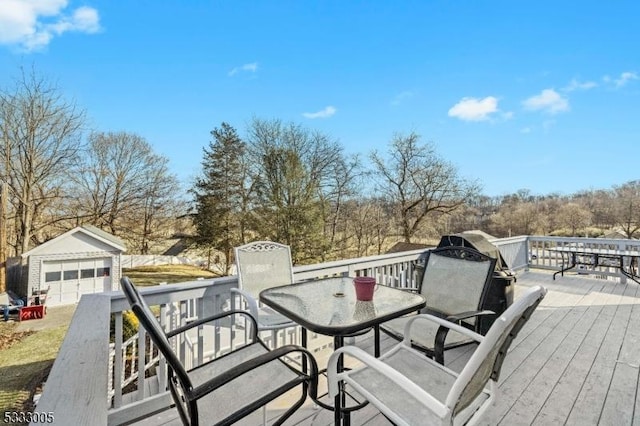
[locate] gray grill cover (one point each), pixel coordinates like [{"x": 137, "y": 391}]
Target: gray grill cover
[{"x": 478, "y": 242}]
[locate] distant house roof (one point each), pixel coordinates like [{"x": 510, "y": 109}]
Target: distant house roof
[
  {"x": 92, "y": 231},
  {"x": 177, "y": 248},
  {"x": 402, "y": 246},
  {"x": 614, "y": 235}
]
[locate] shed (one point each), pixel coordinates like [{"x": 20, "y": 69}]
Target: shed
[{"x": 81, "y": 261}]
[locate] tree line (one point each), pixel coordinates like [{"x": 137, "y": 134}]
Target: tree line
[
  {"x": 287, "y": 183},
  {"x": 297, "y": 186},
  {"x": 279, "y": 181}
]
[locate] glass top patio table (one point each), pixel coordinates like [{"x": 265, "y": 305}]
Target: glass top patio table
[{"x": 328, "y": 306}]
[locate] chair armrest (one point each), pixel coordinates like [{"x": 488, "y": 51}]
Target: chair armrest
[
  {"x": 251, "y": 301},
  {"x": 442, "y": 322},
  {"x": 256, "y": 362},
  {"x": 195, "y": 323},
  {"x": 441, "y": 334},
  {"x": 469, "y": 314},
  {"x": 380, "y": 367}
]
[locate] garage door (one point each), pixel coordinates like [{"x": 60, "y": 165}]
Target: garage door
[{"x": 68, "y": 280}]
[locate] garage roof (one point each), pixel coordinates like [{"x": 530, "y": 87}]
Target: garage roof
[{"x": 89, "y": 230}]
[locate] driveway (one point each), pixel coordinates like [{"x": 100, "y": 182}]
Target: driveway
[{"x": 56, "y": 316}]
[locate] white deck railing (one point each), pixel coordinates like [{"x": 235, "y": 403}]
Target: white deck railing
[
  {"x": 86, "y": 383},
  {"x": 543, "y": 258}
]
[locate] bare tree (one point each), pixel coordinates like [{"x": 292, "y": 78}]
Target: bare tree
[
  {"x": 419, "y": 182},
  {"x": 574, "y": 216},
  {"x": 601, "y": 205},
  {"x": 153, "y": 219},
  {"x": 40, "y": 134},
  {"x": 627, "y": 207},
  {"x": 370, "y": 225},
  {"x": 340, "y": 187},
  {"x": 292, "y": 170},
  {"x": 125, "y": 188}
]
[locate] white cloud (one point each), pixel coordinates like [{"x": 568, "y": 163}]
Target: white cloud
[
  {"x": 625, "y": 77},
  {"x": 473, "y": 109},
  {"x": 525, "y": 130},
  {"x": 32, "y": 24},
  {"x": 252, "y": 67},
  {"x": 323, "y": 113},
  {"x": 574, "y": 84},
  {"x": 401, "y": 97},
  {"x": 548, "y": 100}
]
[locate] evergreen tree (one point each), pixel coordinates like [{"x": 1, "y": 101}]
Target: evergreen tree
[{"x": 220, "y": 193}]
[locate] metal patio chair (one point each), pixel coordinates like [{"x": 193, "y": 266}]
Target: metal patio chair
[
  {"x": 455, "y": 283},
  {"x": 261, "y": 265},
  {"x": 228, "y": 388},
  {"x": 411, "y": 389}
]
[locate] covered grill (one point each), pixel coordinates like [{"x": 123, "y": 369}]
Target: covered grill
[{"x": 500, "y": 293}]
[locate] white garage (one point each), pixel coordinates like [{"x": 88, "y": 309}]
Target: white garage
[{"x": 82, "y": 261}]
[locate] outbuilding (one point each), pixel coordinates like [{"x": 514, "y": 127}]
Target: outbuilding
[{"x": 83, "y": 260}]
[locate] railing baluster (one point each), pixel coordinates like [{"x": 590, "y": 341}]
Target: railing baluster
[
  {"x": 142, "y": 336},
  {"x": 200, "y": 304},
  {"x": 117, "y": 363},
  {"x": 183, "y": 316},
  {"x": 162, "y": 366},
  {"x": 216, "y": 338}
]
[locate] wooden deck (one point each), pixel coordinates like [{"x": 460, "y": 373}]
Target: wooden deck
[{"x": 576, "y": 362}]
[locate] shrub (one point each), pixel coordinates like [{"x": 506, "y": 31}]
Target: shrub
[{"x": 130, "y": 325}]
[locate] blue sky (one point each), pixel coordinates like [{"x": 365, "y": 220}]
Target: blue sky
[{"x": 538, "y": 95}]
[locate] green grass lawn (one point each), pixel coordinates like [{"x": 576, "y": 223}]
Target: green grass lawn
[
  {"x": 154, "y": 275},
  {"x": 26, "y": 358},
  {"x": 25, "y": 363}
]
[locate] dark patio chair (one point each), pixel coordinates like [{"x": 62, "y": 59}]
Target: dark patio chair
[
  {"x": 455, "y": 283},
  {"x": 228, "y": 388}
]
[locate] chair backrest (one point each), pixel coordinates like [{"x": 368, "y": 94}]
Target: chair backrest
[
  {"x": 262, "y": 265},
  {"x": 456, "y": 279},
  {"x": 486, "y": 361},
  {"x": 156, "y": 333}
]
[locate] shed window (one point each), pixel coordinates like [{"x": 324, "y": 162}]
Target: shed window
[
  {"x": 103, "y": 272},
  {"x": 87, "y": 273},
  {"x": 52, "y": 276},
  {"x": 71, "y": 275}
]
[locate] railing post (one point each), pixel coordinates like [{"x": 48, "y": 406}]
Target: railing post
[{"x": 625, "y": 263}]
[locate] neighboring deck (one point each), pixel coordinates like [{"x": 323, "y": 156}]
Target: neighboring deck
[{"x": 577, "y": 361}]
